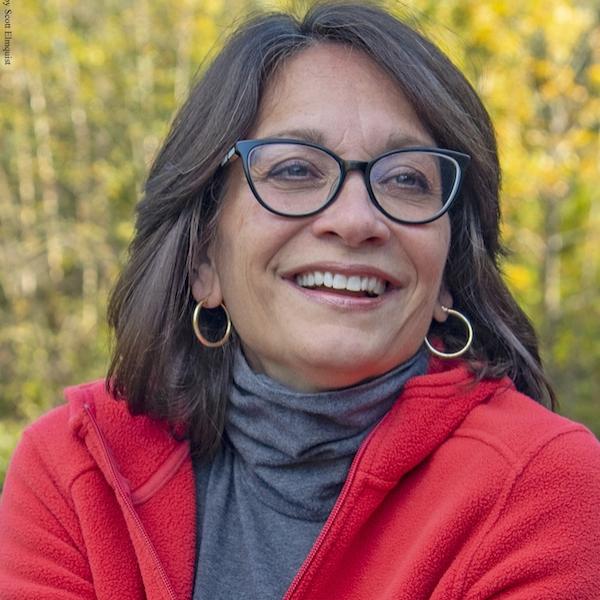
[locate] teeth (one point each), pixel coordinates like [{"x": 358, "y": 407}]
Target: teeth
[
  {"x": 337, "y": 281},
  {"x": 353, "y": 283}
]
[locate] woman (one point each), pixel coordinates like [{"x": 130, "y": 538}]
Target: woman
[{"x": 316, "y": 247}]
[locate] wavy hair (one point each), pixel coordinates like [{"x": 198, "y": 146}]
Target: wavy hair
[{"x": 157, "y": 364}]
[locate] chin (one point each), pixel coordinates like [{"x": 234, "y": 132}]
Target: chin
[{"x": 338, "y": 370}]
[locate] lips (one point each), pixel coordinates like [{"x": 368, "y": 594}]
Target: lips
[{"x": 362, "y": 284}]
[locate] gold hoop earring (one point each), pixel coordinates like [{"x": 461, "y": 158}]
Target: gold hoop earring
[
  {"x": 468, "y": 343},
  {"x": 196, "y": 326}
]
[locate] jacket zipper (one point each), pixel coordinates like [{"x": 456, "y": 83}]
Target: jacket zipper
[
  {"x": 334, "y": 512},
  {"x": 129, "y": 504}
]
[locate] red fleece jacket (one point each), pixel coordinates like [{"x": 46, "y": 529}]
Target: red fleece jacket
[{"x": 463, "y": 491}]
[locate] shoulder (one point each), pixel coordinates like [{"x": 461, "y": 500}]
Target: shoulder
[
  {"x": 539, "y": 452},
  {"x": 517, "y": 451},
  {"x": 53, "y": 445},
  {"x": 68, "y": 422},
  {"x": 548, "y": 456},
  {"x": 93, "y": 431},
  {"x": 521, "y": 429},
  {"x": 544, "y": 526},
  {"x": 63, "y": 442}
]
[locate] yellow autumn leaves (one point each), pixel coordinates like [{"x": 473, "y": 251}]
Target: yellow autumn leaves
[{"x": 93, "y": 86}]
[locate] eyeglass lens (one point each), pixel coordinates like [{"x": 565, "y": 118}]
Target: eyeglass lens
[{"x": 294, "y": 179}]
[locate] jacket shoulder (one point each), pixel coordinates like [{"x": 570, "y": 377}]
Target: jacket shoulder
[
  {"x": 517, "y": 425},
  {"x": 54, "y": 443},
  {"x": 543, "y": 529},
  {"x": 72, "y": 435}
]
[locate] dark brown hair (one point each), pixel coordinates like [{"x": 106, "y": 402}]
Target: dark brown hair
[{"x": 158, "y": 366}]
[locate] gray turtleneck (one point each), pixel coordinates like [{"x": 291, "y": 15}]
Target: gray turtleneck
[{"x": 264, "y": 498}]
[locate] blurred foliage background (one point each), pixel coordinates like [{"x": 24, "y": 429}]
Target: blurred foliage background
[{"x": 92, "y": 87}]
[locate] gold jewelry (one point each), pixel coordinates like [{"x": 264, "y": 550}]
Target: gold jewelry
[
  {"x": 196, "y": 326},
  {"x": 468, "y": 343}
]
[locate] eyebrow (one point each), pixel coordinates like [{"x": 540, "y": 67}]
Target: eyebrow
[
  {"x": 401, "y": 140},
  {"x": 314, "y": 136}
]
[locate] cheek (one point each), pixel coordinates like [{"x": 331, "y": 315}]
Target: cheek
[
  {"x": 247, "y": 245},
  {"x": 427, "y": 247},
  {"x": 231, "y": 258},
  {"x": 438, "y": 253}
]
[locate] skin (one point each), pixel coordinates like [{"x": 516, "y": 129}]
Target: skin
[{"x": 313, "y": 340}]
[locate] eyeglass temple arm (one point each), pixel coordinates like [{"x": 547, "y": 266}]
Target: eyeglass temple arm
[{"x": 228, "y": 156}]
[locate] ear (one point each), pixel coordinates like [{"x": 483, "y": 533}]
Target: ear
[
  {"x": 444, "y": 299},
  {"x": 206, "y": 285}
]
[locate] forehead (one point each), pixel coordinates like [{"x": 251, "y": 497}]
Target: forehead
[{"x": 340, "y": 93}]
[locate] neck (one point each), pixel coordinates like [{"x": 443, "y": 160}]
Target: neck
[{"x": 296, "y": 447}]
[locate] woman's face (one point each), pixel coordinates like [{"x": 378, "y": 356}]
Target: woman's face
[{"x": 315, "y": 339}]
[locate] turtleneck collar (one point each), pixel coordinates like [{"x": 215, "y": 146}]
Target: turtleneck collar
[{"x": 295, "y": 448}]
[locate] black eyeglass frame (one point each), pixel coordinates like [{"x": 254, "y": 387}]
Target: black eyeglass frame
[{"x": 242, "y": 148}]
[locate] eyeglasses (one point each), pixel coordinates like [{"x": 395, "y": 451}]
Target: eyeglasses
[{"x": 293, "y": 178}]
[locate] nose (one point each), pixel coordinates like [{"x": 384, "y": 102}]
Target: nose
[{"x": 352, "y": 217}]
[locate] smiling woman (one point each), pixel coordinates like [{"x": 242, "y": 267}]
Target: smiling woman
[
  {"x": 311, "y": 337},
  {"x": 320, "y": 382}
]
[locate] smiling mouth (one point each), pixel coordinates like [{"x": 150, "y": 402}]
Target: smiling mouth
[{"x": 364, "y": 286}]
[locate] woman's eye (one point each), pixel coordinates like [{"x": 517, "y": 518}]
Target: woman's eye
[
  {"x": 411, "y": 180},
  {"x": 292, "y": 171}
]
